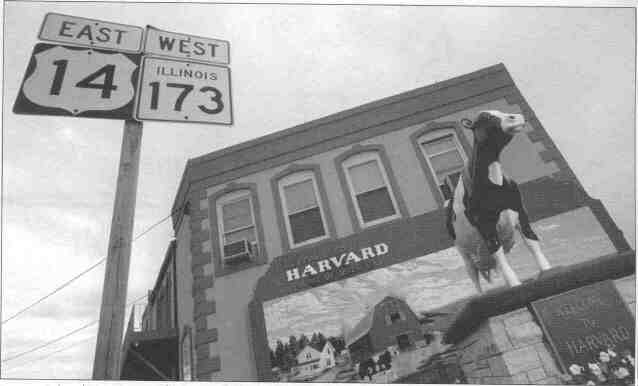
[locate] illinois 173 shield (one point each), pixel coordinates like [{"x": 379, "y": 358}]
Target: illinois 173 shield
[{"x": 78, "y": 82}]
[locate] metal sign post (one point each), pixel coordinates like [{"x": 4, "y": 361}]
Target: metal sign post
[{"x": 106, "y": 364}]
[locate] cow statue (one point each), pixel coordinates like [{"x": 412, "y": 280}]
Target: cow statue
[{"x": 487, "y": 206}]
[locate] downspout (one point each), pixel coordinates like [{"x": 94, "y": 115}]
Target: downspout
[{"x": 175, "y": 323}]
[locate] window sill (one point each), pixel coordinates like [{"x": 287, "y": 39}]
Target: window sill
[
  {"x": 309, "y": 242},
  {"x": 380, "y": 221},
  {"x": 390, "y": 220}
]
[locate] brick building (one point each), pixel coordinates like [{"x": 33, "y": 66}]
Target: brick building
[{"x": 344, "y": 196}]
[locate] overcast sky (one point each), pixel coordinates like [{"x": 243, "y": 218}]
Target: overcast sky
[{"x": 289, "y": 64}]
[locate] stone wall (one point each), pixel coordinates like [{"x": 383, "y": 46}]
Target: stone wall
[{"x": 510, "y": 348}]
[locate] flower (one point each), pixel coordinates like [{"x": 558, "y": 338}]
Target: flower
[
  {"x": 604, "y": 357},
  {"x": 590, "y": 383},
  {"x": 621, "y": 373},
  {"x": 611, "y": 353},
  {"x": 595, "y": 369},
  {"x": 575, "y": 369},
  {"x": 631, "y": 360}
]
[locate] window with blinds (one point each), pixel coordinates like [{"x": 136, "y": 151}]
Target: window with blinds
[
  {"x": 370, "y": 190},
  {"x": 303, "y": 213},
  {"x": 446, "y": 159}
]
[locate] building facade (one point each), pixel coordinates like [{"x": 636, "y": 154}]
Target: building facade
[
  {"x": 150, "y": 347},
  {"x": 295, "y": 232}
]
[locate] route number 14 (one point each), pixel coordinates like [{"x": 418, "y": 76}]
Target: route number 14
[{"x": 108, "y": 71}]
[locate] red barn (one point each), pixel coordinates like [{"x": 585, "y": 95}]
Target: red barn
[{"x": 390, "y": 323}]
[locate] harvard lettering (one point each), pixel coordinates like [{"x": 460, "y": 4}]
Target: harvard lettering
[
  {"x": 598, "y": 341},
  {"x": 336, "y": 262}
]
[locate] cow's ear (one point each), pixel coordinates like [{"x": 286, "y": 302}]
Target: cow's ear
[{"x": 466, "y": 123}]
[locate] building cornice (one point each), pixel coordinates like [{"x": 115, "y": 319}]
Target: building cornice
[{"x": 342, "y": 129}]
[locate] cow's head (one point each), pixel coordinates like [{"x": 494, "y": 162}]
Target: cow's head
[{"x": 493, "y": 129}]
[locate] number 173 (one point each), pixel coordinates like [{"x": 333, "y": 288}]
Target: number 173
[{"x": 214, "y": 94}]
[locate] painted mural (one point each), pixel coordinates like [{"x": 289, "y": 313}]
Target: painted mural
[{"x": 385, "y": 324}]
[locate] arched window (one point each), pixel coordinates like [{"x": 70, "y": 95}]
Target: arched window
[
  {"x": 302, "y": 207},
  {"x": 445, "y": 158},
  {"x": 238, "y": 238},
  {"x": 370, "y": 189}
]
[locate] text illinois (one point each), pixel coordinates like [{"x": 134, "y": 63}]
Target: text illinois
[{"x": 185, "y": 73}]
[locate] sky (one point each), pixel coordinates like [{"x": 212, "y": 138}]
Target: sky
[{"x": 289, "y": 64}]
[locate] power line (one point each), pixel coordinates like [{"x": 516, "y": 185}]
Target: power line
[
  {"x": 25, "y": 309},
  {"x": 53, "y": 353},
  {"x": 62, "y": 337},
  {"x": 52, "y": 292}
]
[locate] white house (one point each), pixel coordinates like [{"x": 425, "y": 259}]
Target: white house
[{"x": 313, "y": 360}]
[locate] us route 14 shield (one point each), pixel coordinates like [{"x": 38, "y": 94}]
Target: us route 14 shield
[
  {"x": 79, "y": 82},
  {"x": 184, "y": 91}
]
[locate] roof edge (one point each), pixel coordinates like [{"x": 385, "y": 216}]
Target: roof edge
[{"x": 184, "y": 185}]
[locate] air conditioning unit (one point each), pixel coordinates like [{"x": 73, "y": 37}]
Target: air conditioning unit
[{"x": 239, "y": 252}]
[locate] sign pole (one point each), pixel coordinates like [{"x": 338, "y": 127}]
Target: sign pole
[{"x": 110, "y": 332}]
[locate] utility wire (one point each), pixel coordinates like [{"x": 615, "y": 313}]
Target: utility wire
[
  {"x": 63, "y": 336},
  {"x": 25, "y": 309},
  {"x": 51, "y": 354},
  {"x": 53, "y": 292}
]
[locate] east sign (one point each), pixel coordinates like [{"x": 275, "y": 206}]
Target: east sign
[
  {"x": 91, "y": 33},
  {"x": 78, "y": 82},
  {"x": 184, "y": 91},
  {"x": 190, "y": 47}
]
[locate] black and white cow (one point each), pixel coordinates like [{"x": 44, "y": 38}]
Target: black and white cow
[{"x": 487, "y": 206}]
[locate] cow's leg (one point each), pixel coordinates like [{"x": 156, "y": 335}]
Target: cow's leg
[
  {"x": 531, "y": 240},
  {"x": 487, "y": 228},
  {"x": 510, "y": 276},
  {"x": 472, "y": 272}
]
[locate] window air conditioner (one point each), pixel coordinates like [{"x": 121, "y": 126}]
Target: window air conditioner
[{"x": 238, "y": 252}]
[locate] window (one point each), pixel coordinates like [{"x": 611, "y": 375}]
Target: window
[
  {"x": 369, "y": 189},
  {"x": 393, "y": 317},
  {"x": 237, "y": 230},
  {"x": 302, "y": 209},
  {"x": 187, "y": 371},
  {"x": 445, "y": 158}
]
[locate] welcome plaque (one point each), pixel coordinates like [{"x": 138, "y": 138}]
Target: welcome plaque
[{"x": 582, "y": 322}]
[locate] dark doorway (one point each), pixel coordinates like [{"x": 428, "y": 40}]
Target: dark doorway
[{"x": 403, "y": 341}]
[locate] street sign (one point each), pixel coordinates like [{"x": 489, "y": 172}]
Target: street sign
[
  {"x": 79, "y": 82},
  {"x": 190, "y": 47},
  {"x": 184, "y": 91},
  {"x": 91, "y": 33}
]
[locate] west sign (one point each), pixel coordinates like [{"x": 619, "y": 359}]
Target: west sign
[
  {"x": 78, "y": 82},
  {"x": 184, "y": 91},
  {"x": 91, "y": 33},
  {"x": 181, "y": 46}
]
